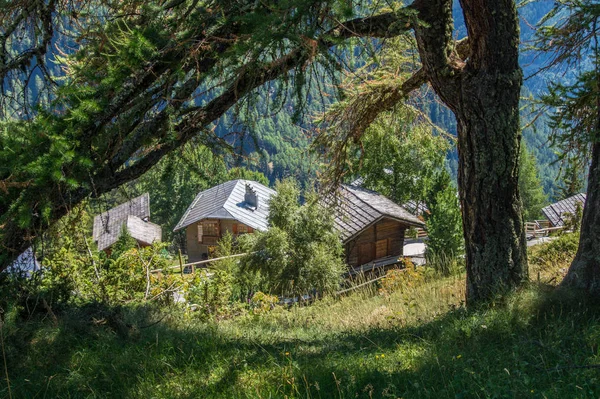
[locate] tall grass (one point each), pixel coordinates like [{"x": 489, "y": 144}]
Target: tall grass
[{"x": 415, "y": 341}]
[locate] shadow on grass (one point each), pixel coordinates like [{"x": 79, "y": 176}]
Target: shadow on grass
[{"x": 508, "y": 350}]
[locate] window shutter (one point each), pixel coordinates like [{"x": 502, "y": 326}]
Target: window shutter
[
  {"x": 200, "y": 232},
  {"x": 235, "y": 228}
]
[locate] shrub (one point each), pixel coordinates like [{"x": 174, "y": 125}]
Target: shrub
[
  {"x": 573, "y": 220},
  {"x": 210, "y": 293},
  {"x": 262, "y": 303},
  {"x": 122, "y": 277},
  {"x": 559, "y": 252},
  {"x": 400, "y": 279},
  {"x": 301, "y": 252}
]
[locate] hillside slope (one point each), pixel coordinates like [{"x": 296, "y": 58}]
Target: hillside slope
[{"x": 417, "y": 342}]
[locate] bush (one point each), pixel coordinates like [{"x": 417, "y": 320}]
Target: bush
[
  {"x": 262, "y": 303},
  {"x": 301, "y": 252},
  {"x": 559, "y": 252},
  {"x": 400, "y": 279},
  {"x": 210, "y": 293}
]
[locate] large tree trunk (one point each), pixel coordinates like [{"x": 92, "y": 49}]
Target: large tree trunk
[
  {"x": 488, "y": 148},
  {"x": 584, "y": 272},
  {"x": 482, "y": 88}
]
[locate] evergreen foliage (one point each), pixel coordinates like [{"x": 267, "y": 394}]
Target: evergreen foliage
[
  {"x": 571, "y": 181},
  {"x": 301, "y": 252},
  {"x": 124, "y": 243},
  {"x": 568, "y": 34},
  {"x": 576, "y": 123},
  {"x": 444, "y": 225},
  {"x": 530, "y": 186},
  {"x": 131, "y": 95}
]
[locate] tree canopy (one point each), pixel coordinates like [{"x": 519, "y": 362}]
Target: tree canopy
[
  {"x": 144, "y": 78},
  {"x": 144, "y": 81}
]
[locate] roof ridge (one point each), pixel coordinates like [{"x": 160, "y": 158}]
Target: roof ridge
[
  {"x": 226, "y": 188},
  {"x": 189, "y": 209}
]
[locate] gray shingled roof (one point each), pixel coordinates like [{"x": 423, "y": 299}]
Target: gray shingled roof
[
  {"x": 134, "y": 216},
  {"x": 358, "y": 208},
  {"x": 415, "y": 208},
  {"x": 226, "y": 201},
  {"x": 555, "y": 212}
]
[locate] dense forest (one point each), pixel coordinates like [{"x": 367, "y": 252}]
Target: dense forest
[
  {"x": 271, "y": 136},
  {"x": 277, "y": 145}
]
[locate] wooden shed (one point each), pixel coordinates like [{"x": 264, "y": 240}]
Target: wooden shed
[
  {"x": 371, "y": 226},
  {"x": 134, "y": 216}
]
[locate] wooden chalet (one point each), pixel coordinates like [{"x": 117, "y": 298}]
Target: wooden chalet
[
  {"x": 371, "y": 227},
  {"x": 558, "y": 212},
  {"x": 237, "y": 206},
  {"x": 134, "y": 216}
]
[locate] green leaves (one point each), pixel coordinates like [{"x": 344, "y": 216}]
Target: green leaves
[
  {"x": 301, "y": 250},
  {"x": 530, "y": 186},
  {"x": 444, "y": 224}
]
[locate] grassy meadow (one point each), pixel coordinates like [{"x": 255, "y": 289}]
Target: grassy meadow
[{"x": 416, "y": 342}]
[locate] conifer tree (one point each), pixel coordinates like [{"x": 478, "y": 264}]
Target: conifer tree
[
  {"x": 571, "y": 181},
  {"x": 573, "y": 42},
  {"x": 130, "y": 98},
  {"x": 530, "y": 186},
  {"x": 444, "y": 227}
]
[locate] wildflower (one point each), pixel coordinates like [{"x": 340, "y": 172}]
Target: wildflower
[
  {"x": 382, "y": 355},
  {"x": 459, "y": 356},
  {"x": 287, "y": 353}
]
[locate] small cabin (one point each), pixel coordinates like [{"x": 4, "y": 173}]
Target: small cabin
[
  {"x": 134, "y": 216},
  {"x": 237, "y": 206},
  {"x": 560, "y": 211},
  {"x": 372, "y": 227}
]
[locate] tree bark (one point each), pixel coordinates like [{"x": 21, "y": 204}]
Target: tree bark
[
  {"x": 483, "y": 92},
  {"x": 488, "y": 148},
  {"x": 584, "y": 272}
]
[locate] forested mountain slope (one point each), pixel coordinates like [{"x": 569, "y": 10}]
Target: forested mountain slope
[{"x": 278, "y": 146}]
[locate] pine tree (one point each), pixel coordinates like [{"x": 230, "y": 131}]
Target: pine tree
[
  {"x": 573, "y": 42},
  {"x": 571, "y": 179},
  {"x": 530, "y": 186}
]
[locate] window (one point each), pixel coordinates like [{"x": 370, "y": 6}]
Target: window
[
  {"x": 210, "y": 229},
  {"x": 239, "y": 228},
  {"x": 208, "y": 232}
]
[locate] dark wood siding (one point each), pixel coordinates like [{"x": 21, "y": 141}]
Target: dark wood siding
[
  {"x": 382, "y": 239},
  {"x": 197, "y": 249}
]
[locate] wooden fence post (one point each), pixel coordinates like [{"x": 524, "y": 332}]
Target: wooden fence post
[{"x": 180, "y": 263}]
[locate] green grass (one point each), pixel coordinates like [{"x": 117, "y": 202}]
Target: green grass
[{"x": 416, "y": 343}]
